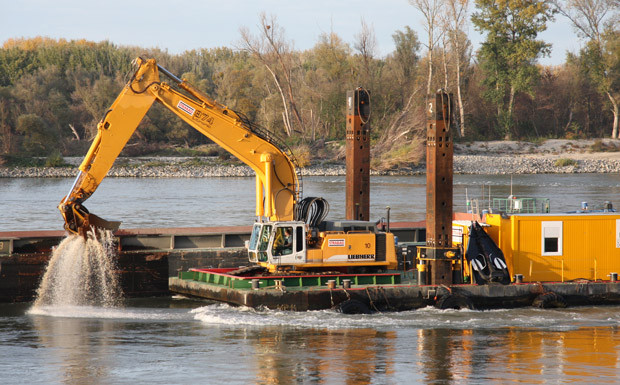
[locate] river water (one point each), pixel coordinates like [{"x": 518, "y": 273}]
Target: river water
[
  {"x": 177, "y": 340},
  {"x": 30, "y": 204}
]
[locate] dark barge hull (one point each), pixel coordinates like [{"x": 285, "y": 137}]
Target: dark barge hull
[{"x": 408, "y": 297}]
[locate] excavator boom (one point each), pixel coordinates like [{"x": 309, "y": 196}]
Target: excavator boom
[{"x": 277, "y": 183}]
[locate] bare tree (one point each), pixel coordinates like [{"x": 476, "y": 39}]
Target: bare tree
[
  {"x": 591, "y": 18},
  {"x": 588, "y": 16},
  {"x": 456, "y": 24},
  {"x": 366, "y": 45},
  {"x": 270, "y": 49},
  {"x": 402, "y": 123},
  {"x": 405, "y": 129},
  {"x": 444, "y": 61},
  {"x": 74, "y": 131},
  {"x": 430, "y": 10}
]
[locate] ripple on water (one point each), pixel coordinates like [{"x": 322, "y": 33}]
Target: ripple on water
[{"x": 425, "y": 318}]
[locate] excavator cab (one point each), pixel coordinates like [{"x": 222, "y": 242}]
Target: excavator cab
[{"x": 278, "y": 243}]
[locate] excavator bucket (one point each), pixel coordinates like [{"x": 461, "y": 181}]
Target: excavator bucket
[
  {"x": 93, "y": 220},
  {"x": 79, "y": 221}
]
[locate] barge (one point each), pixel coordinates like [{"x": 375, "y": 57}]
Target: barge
[
  {"x": 384, "y": 292},
  {"x": 550, "y": 269},
  {"x": 158, "y": 262}
]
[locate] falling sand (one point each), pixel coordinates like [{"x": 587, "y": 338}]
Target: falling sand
[{"x": 81, "y": 272}]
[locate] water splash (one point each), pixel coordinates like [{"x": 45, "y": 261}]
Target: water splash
[{"x": 81, "y": 272}]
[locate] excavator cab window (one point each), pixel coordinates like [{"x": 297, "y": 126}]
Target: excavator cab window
[
  {"x": 300, "y": 239},
  {"x": 253, "y": 243},
  {"x": 260, "y": 242},
  {"x": 283, "y": 241},
  {"x": 254, "y": 237}
]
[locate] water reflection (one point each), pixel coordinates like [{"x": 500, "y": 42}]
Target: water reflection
[
  {"x": 586, "y": 355},
  {"x": 446, "y": 356},
  {"x": 165, "y": 345},
  {"x": 76, "y": 354},
  {"x": 346, "y": 356}
]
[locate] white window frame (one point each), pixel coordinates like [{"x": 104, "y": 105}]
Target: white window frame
[
  {"x": 551, "y": 228},
  {"x": 617, "y": 233}
]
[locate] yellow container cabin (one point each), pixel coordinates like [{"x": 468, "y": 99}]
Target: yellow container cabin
[{"x": 558, "y": 247}]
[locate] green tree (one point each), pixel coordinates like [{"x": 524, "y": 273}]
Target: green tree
[
  {"x": 39, "y": 138},
  {"x": 509, "y": 53},
  {"x": 597, "y": 22},
  {"x": 14, "y": 63},
  {"x": 599, "y": 62},
  {"x": 234, "y": 85},
  {"x": 45, "y": 93},
  {"x": 406, "y": 54},
  {"x": 92, "y": 96},
  {"x": 328, "y": 73}
]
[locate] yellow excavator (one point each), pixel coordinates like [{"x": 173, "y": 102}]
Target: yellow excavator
[{"x": 290, "y": 233}]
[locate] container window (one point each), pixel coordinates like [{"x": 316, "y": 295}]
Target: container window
[
  {"x": 552, "y": 238},
  {"x": 551, "y": 245}
]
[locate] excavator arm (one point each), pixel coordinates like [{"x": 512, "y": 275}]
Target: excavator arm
[{"x": 277, "y": 184}]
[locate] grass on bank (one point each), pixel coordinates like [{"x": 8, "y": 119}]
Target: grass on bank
[
  {"x": 600, "y": 146},
  {"x": 406, "y": 153},
  {"x": 53, "y": 160},
  {"x": 565, "y": 162}
]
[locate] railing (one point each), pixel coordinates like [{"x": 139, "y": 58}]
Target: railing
[
  {"x": 222, "y": 278},
  {"x": 521, "y": 205}
]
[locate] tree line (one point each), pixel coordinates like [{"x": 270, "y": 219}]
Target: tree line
[{"x": 53, "y": 92}]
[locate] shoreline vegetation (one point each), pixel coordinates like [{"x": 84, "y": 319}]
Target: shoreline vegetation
[{"x": 495, "y": 158}]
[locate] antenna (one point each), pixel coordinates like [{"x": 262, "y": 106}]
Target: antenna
[{"x": 489, "y": 196}]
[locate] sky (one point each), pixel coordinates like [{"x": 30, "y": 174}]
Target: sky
[{"x": 177, "y": 26}]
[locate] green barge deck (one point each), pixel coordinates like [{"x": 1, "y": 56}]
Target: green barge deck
[{"x": 221, "y": 277}]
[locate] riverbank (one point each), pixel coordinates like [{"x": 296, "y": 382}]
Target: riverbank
[
  {"x": 553, "y": 156},
  {"x": 494, "y": 158}
]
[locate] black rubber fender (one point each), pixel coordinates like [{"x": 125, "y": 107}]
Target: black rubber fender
[
  {"x": 549, "y": 300},
  {"x": 353, "y": 306},
  {"x": 247, "y": 270},
  {"x": 455, "y": 301}
]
